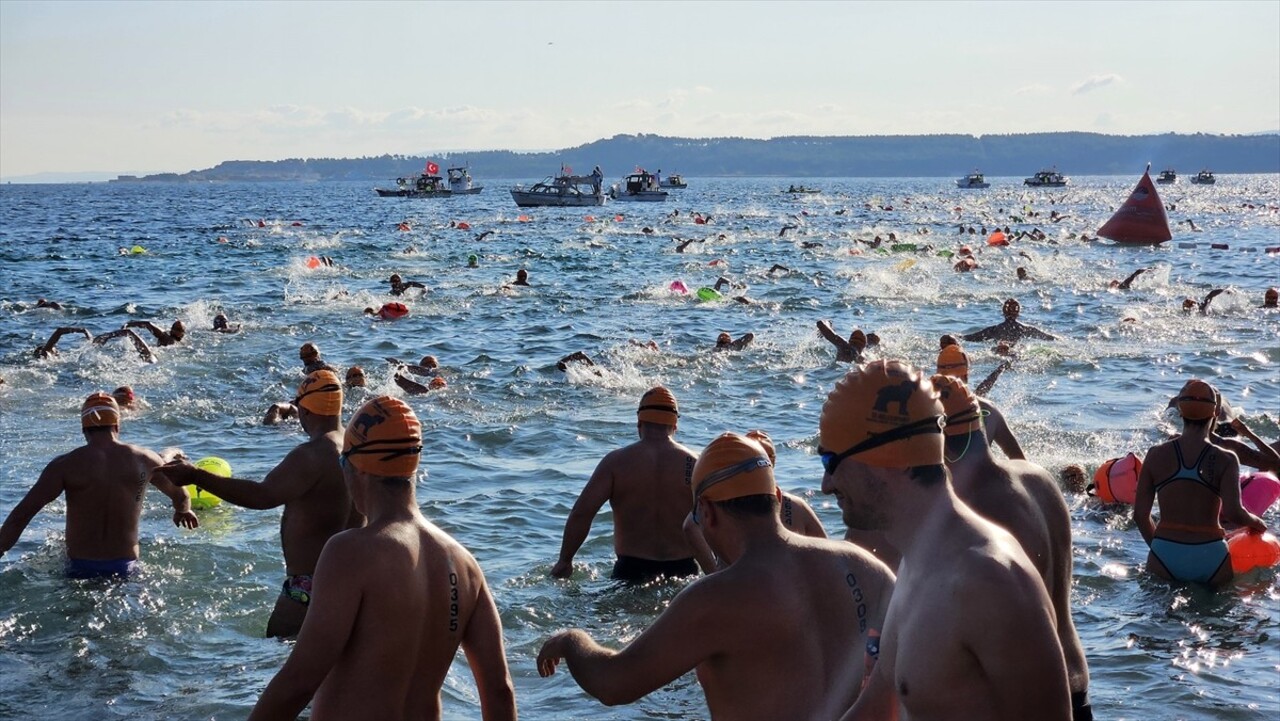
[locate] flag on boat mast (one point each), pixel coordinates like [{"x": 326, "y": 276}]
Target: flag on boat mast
[{"x": 432, "y": 168}]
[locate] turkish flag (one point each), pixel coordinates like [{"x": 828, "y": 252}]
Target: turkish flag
[{"x": 432, "y": 168}]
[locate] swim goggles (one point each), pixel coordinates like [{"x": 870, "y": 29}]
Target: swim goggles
[
  {"x": 725, "y": 474},
  {"x": 387, "y": 453},
  {"x": 932, "y": 424},
  {"x": 330, "y": 388}
]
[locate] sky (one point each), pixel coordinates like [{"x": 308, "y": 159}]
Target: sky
[{"x": 143, "y": 87}]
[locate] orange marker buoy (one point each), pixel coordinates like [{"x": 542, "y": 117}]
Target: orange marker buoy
[
  {"x": 1252, "y": 550},
  {"x": 523, "y": 219},
  {"x": 1141, "y": 220},
  {"x": 313, "y": 262},
  {"x": 464, "y": 225}
]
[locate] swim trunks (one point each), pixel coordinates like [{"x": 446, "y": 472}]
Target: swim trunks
[
  {"x": 116, "y": 568},
  {"x": 1191, "y": 561},
  {"x": 298, "y": 588},
  {"x": 1081, "y": 709},
  {"x": 639, "y": 570}
]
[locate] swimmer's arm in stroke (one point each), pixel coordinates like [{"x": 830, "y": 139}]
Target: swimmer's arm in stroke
[
  {"x": 45, "y": 491},
  {"x": 49, "y": 345},
  {"x": 682, "y": 637},
  {"x": 409, "y": 386},
  {"x": 482, "y": 644},
  {"x": 1143, "y": 501},
  {"x": 337, "y": 588},
  {"x": 182, "y": 514},
  {"x": 279, "y": 412},
  {"x": 138, "y": 343},
  {"x": 824, "y": 328},
  {"x": 594, "y": 495},
  {"x": 1009, "y": 630},
  {"x": 287, "y": 481},
  {"x": 985, "y": 386},
  {"x": 155, "y": 330},
  {"x": 1124, "y": 284}
]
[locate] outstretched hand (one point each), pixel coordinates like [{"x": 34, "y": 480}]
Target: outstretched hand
[
  {"x": 551, "y": 654},
  {"x": 178, "y": 472},
  {"x": 185, "y": 519}
]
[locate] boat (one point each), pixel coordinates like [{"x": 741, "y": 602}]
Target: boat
[
  {"x": 1204, "y": 177},
  {"x": 460, "y": 182},
  {"x": 801, "y": 189},
  {"x": 1168, "y": 176},
  {"x": 1141, "y": 219},
  {"x": 973, "y": 180},
  {"x": 424, "y": 186},
  {"x": 640, "y": 186},
  {"x": 675, "y": 180},
  {"x": 564, "y": 190},
  {"x": 1047, "y": 179}
]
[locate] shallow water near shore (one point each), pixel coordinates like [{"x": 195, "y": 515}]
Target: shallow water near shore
[{"x": 511, "y": 441}]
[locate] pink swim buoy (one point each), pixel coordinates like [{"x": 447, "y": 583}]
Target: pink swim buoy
[
  {"x": 1258, "y": 491},
  {"x": 1116, "y": 480},
  {"x": 678, "y": 286}
]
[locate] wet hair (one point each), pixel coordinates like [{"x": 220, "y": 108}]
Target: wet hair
[
  {"x": 755, "y": 505},
  {"x": 931, "y": 475}
]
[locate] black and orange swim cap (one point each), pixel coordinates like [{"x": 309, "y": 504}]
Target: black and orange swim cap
[
  {"x": 384, "y": 438},
  {"x": 886, "y": 414},
  {"x": 952, "y": 361},
  {"x": 732, "y": 466},
  {"x": 658, "y": 405},
  {"x": 99, "y": 410},
  {"x": 1197, "y": 401},
  {"x": 320, "y": 393}
]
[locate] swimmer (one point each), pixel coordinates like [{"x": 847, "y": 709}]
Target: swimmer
[
  {"x": 1203, "y": 306},
  {"x": 847, "y": 351},
  {"x": 50, "y": 347},
  {"x": 1262, "y": 456},
  {"x": 1271, "y": 298},
  {"x": 574, "y": 357},
  {"x": 786, "y": 612},
  {"x": 1010, "y": 329},
  {"x": 389, "y": 311},
  {"x": 970, "y": 631},
  {"x": 724, "y": 341},
  {"x": 647, "y": 486},
  {"x": 414, "y": 388},
  {"x": 1187, "y": 542},
  {"x": 1023, "y": 275},
  {"x": 796, "y": 515},
  {"x": 485, "y": 234},
  {"x": 965, "y": 265},
  {"x": 428, "y": 366},
  {"x": 50, "y": 304},
  {"x": 174, "y": 335},
  {"x": 1074, "y": 479},
  {"x": 952, "y": 361},
  {"x": 221, "y": 325},
  {"x": 685, "y": 244},
  {"x": 355, "y": 377},
  {"x": 1124, "y": 284},
  {"x": 778, "y": 268},
  {"x": 1023, "y": 499},
  {"x": 310, "y": 486},
  {"x": 279, "y": 413},
  {"x": 104, "y": 482},
  {"x": 138, "y": 344},
  {"x": 399, "y": 285},
  {"x": 395, "y": 599},
  {"x": 522, "y": 277},
  {"x": 309, "y": 354},
  {"x": 473, "y": 261},
  {"x": 124, "y": 396}
]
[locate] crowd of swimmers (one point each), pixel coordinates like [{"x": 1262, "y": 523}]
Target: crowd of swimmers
[{"x": 948, "y": 595}]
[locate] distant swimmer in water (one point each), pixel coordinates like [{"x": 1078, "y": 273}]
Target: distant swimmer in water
[
  {"x": 222, "y": 325},
  {"x": 50, "y": 304},
  {"x": 177, "y": 331},
  {"x": 647, "y": 486},
  {"x": 355, "y": 377},
  {"x": 1010, "y": 329},
  {"x": 724, "y": 341},
  {"x": 310, "y": 486},
  {"x": 1023, "y": 275},
  {"x": 522, "y": 277},
  {"x": 397, "y": 599},
  {"x": 778, "y": 268},
  {"x": 1073, "y": 478},
  {"x": 124, "y": 396},
  {"x": 1271, "y": 298},
  {"x": 400, "y": 285},
  {"x": 847, "y": 351},
  {"x": 1127, "y": 282},
  {"x": 785, "y": 611},
  {"x": 1203, "y": 306},
  {"x": 103, "y": 481},
  {"x": 574, "y": 357},
  {"x": 50, "y": 347},
  {"x": 428, "y": 366},
  {"x": 309, "y": 354},
  {"x": 412, "y": 387},
  {"x": 796, "y": 515},
  {"x": 685, "y": 244},
  {"x": 473, "y": 261},
  {"x": 1194, "y": 482}
]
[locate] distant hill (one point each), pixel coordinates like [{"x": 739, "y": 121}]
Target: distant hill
[{"x": 799, "y": 157}]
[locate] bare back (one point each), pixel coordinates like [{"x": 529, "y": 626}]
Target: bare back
[
  {"x": 1186, "y": 503},
  {"x": 323, "y": 509},
  {"x": 415, "y": 595},
  {"x": 104, "y": 484},
  {"x": 650, "y": 497}
]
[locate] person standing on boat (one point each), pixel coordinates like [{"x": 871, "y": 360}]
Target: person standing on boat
[
  {"x": 647, "y": 485},
  {"x": 597, "y": 179}
]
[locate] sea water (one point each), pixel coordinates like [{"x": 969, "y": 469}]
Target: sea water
[{"x": 512, "y": 440}]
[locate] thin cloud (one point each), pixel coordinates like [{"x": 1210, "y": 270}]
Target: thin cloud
[
  {"x": 1095, "y": 82},
  {"x": 1034, "y": 89}
]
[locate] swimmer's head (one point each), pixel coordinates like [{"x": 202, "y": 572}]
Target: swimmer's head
[
  {"x": 1022, "y": 273},
  {"x": 766, "y": 443},
  {"x": 1189, "y": 304},
  {"x": 522, "y": 274},
  {"x": 320, "y": 393},
  {"x": 858, "y": 339},
  {"x": 124, "y": 396},
  {"x": 472, "y": 261},
  {"x": 963, "y": 414},
  {"x": 178, "y": 330},
  {"x": 220, "y": 321},
  {"x": 1003, "y": 348},
  {"x": 947, "y": 340},
  {"x": 99, "y": 410},
  {"x": 437, "y": 383},
  {"x": 1011, "y": 309},
  {"x": 658, "y": 405},
  {"x": 1271, "y": 299},
  {"x": 384, "y": 438},
  {"x": 1073, "y": 477},
  {"x": 1197, "y": 401},
  {"x": 873, "y": 339},
  {"x": 355, "y": 377},
  {"x": 952, "y": 361},
  {"x": 732, "y": 466},
  {"x": 429, "y": 361},
  {"x": 724, "y": 339},
  {"x": 884, "y": 413},
  {"x": 395, "y": 279},
  {"x": 309, "y": 352}
]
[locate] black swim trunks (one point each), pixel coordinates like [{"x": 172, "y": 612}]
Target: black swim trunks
[
  {"x": 1081, "y": 709},
  {"x": 640, "y": 570}
]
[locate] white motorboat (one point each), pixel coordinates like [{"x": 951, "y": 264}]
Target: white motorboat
[
  {"x": 1204, "y": 177},
  {"x": 640, "y": 186},
  {"x": 1047, "y": 179},
  {"x": 1168, "y": 176},
  {"x": 562, "y": 191},
  {"x": 973, "y": 180},
  {"x": 460, "y": 182},
  {"x": 675, "y": 180}
]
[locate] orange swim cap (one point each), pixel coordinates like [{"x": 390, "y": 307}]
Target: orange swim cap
[
  {"x": 384, "y": 438},
  {"x": 320, "y": 393},
  {"x": 1197, "y": 401},
  {"x": 99, "y": 410},
  {"x": 437, "y": 383},
  {"x": 884, "y": 414},
  {"x": 732, "y": 466},
  {"x": 952, "y": 361},
  {"x": 766, "y": 443},
  {"x": 658, "y": 405},
  {"x": 963, "y": 412}
]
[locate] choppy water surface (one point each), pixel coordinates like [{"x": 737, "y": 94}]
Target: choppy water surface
[{"x": 512, "y": 440}]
